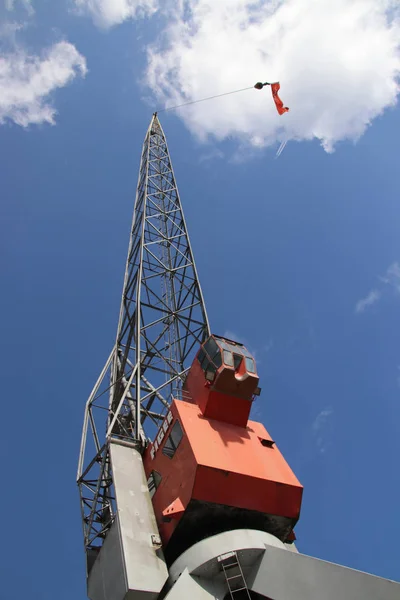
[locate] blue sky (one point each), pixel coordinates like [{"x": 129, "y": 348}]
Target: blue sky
[{"x": 287, "y": 249}]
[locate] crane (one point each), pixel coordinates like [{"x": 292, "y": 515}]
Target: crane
[{"x": 181, "y": 494}]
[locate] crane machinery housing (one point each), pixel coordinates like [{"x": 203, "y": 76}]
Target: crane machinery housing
[{"x": 181, "y": 494}]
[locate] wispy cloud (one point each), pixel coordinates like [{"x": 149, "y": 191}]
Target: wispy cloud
[
  {"x": 27, "y": 4},
  {"x": 390, "y": 282},
  {"x": 213, "y": 154},
  {"x": 319, "y": 427},
  {"x": 107, "y": 13},
  {"x": 27, "y": 82},
  {"x": 392, "y": 277},
  {"x": 369, "y": 300}
]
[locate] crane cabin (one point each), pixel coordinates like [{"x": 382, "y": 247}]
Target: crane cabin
[{"x": 210, "y": 469}]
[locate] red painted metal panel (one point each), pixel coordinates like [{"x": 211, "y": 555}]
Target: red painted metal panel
[{"x": 220, "y": 463}]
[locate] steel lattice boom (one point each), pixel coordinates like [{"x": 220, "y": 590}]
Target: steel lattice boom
[{"x": 161, "y": 324}]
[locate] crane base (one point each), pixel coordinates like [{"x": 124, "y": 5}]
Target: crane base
[{"x": 269, "y": 570}]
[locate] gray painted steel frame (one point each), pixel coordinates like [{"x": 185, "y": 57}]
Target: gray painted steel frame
[
  {"x": 130, "y": 564},
  {"x": 162, "y": 321},
  {"x": 271, "y": 571}
]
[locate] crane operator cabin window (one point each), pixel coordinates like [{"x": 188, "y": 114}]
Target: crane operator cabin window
[{"x": 173, "y": 440}]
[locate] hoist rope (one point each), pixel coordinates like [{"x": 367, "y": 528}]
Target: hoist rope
[{"x": 204, "y": 99}]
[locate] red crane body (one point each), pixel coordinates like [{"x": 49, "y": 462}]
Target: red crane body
[{"x": 210, "y": 469}]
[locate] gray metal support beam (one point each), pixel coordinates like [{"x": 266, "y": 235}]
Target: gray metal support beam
[
  {"x": 196, "y": 588},
  {"x": 283, "y": 575},
  {"x": 272, "y": 571},
  {"x": 130, "y": 564}
]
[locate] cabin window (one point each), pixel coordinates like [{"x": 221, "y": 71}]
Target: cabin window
[
  {"x": 173, "y": 440},
  {"x": 211, "y": 368},
  {"x": 201, "y": 355},
  {"x": 224, "y": 345},
  {"x": 205, "y": 362},
  {"x": 228, "y": 358},
  {"x": 250, "y": 367},
  {"x": 211, "y": 347},
  {"x": 153, "y": 482},
  {"x": 217, "y": 360},
  {"x": 237, "y": 359},
  {"x": 210, "y": 354}
]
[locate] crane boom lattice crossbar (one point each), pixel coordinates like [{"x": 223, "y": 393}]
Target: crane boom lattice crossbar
[{"x": 161, "y": 324}]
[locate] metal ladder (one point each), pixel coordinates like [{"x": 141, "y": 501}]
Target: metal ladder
[{"x": 234, "y": 576}]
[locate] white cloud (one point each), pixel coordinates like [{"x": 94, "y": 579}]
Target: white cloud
[
  {"x": 107, "y": 13},
  {"x": 8, "y": 32},
  {"x": 26, "y": 82},
  {"x": 319, "y": 429},
  {"x": 391, "y": 280},
  {"x": 27, "y": 4},
  {"x": 392, "y": 277},
  {"x": 369, "y": 300},
  {"x": 213, "y": 154},
  {"x": 337, "y": 62},
  {"x": 321, "y": 419}
]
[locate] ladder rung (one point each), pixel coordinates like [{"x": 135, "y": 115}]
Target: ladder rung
[
  {"x": 235, "y": 589},
  {"x": 231, "y": 572},
  {"x": 242, "y": 585},
  {"x": 230, "y": 565}
]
